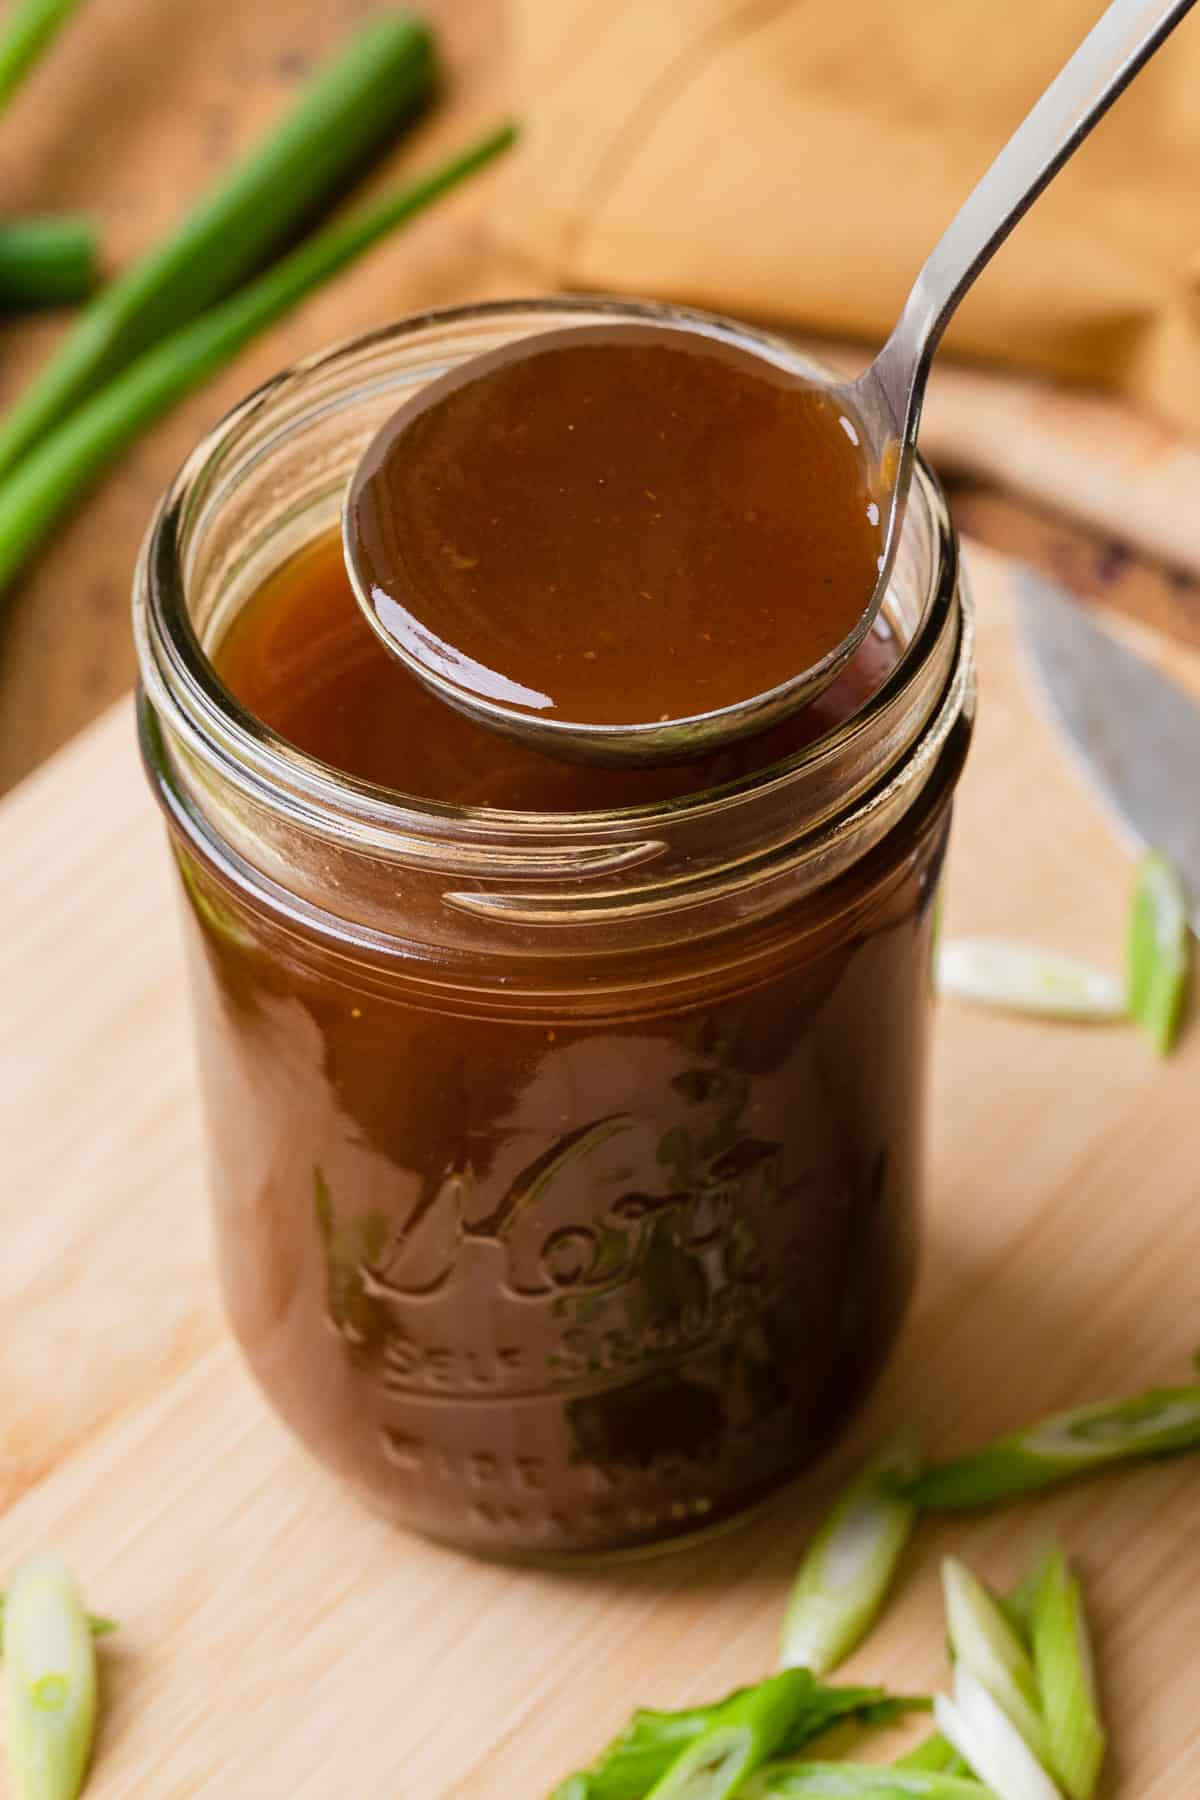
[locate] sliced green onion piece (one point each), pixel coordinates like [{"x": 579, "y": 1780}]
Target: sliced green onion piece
[
  {"x": 714, "y": 1767},
  {"x": 988, "y": 1741},
  {"x": 1021, "y": 978},
  {"x": 644, "y": 1751},
  {"x": 934, "y": 1754},
  {"x": 1158, "y": 951},
  {"x": 50, "y": 1678},
  {"x": 1157, "y": 1423},
  {"x": 98, "y": 1624},
  {"x": 638, "y": 1756},
  {"x": 873, "y": 1714},
  {"x": 1017, "y": 1606},
  {"x": 846, "y": 1781},
  {"x": 1063, "y": 1655},
  {"x": 752, "y": 1726},
  {"x": 849, "y": 1565},
  {"x": 985, "y": 1643}
]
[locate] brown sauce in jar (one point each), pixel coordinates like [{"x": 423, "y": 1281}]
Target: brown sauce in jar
[
  {"x": 304, "y": 661},
  {"x": 617, "y": 524},
  {"x": 594, "y": 1257}
]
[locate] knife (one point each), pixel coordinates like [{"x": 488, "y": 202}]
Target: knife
[{"x": 1132, "y": 734}]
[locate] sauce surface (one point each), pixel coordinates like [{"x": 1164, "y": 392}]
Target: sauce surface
[
  {"x": 302, "y": 658},
  {"x": 617, "y": 525}
]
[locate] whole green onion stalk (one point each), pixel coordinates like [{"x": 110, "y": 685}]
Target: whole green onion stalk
[
  {"x": 46, "y": 262},
  {"x": 51, "y": 477},
  {"x": 342, "y": 119}
]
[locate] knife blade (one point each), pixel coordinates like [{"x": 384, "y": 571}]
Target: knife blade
[{"x": 1133, "y": 734}]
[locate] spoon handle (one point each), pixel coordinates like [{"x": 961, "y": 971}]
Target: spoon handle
[{"x": 1125, "y": 37}]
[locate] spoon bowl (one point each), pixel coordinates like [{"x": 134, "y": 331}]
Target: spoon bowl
[{"x": 394, "y": 591}]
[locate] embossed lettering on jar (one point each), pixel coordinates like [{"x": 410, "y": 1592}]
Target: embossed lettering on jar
[{"x": 565, "y": 1126}]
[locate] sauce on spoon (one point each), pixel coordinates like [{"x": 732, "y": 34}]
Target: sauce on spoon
[{"x": 615, "y": 524}]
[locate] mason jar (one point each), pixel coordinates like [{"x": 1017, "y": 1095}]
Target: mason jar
[{"x": 566, "y": 1167}]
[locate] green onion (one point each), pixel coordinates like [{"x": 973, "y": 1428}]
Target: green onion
[
  {"x": 643, "y": 1753},
  {"x": 35, "y": 497},
  {"x": 751, "y": 1727},
  {"x": 1017, "y": 1606},
  {"x": 990, "y": 1744},
  {"x": 638, "y": 1757},
  {"x": 27, "y": 29},
  {"x": 1021, "y": 978},
  {"x": 1017, "y": 1609},
  {"x": 1158, "y": 1423},
  {"x": 50, "y": 1677},
  {"x": 933, "y": 1754},
  {"x": 1158, "y": 951},
  {"x": 98, "y": 1625},
  {"x": 846, "y": 1781},
  {"x": 849, "y": 1565},
  {"x": 46, "y": 262},
  {"x": 983, "y": 1641},
  {"x": 871, "y": 1713},
  {"x": 343, "y": 117},
  {"x": 1063, "y": 1654}
]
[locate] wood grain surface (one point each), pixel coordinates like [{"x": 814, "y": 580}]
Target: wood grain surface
[{"x": 275, "y": 1641}]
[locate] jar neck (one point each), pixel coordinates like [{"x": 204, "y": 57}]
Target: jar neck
[{"x": 270, "y": 478}]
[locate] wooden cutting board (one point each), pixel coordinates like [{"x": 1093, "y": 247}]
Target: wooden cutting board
[{"x": 274, "y": 1640}]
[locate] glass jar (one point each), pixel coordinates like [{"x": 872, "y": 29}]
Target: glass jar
[{"x": 566, "y": 1168}]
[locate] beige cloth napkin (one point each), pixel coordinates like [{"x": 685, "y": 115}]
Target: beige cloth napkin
[{"x": 796, "y": 159}]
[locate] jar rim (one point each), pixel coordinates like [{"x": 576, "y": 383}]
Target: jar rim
[{"x": 188, "y": 696}]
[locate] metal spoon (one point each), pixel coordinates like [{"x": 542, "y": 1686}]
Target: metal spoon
[{"x": 885, "y": 400}]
